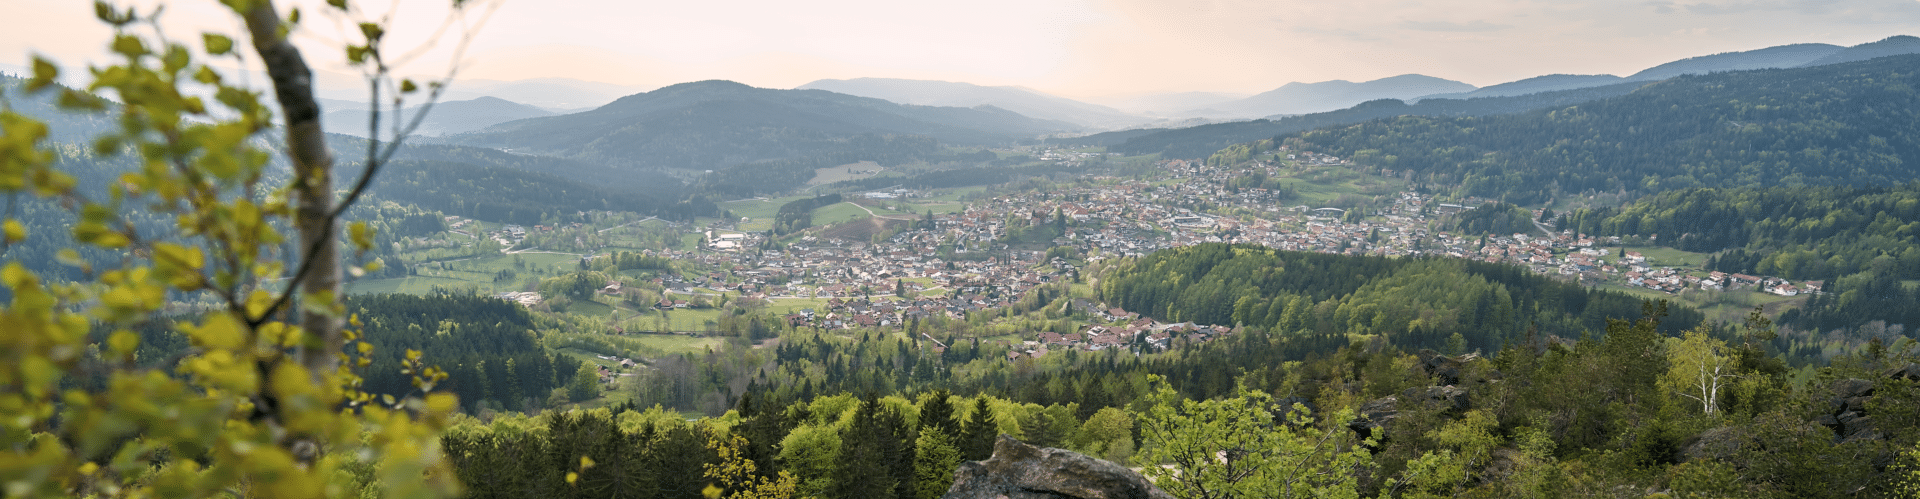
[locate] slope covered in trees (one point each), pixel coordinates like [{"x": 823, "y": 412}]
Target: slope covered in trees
[
  {"x": 515, "y": 196},
  {"x": 711, "y": 124},
  {"x": 1863, "y": 241},
  {"x": 1843, "y": 124},
  {"x": 1418, "y": 302},
  {"x": 1200, "y": 141},
  {"x": 486, "y": 345},
  {"x": 1797, "y": 233}
]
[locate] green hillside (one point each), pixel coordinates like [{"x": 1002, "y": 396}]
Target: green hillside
[{"x": 1844, "y": 124}]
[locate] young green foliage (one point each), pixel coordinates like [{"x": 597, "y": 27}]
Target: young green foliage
[
  {"x": 262, "y": 404},
  {"x": 1246, "y": 447}
]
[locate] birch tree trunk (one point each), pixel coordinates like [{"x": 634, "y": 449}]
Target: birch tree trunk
[{"x": 313, "y": 185}]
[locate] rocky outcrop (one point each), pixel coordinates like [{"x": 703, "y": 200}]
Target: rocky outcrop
[
  {"x": 1848, "y": 417},
  {"x": 1378, "y": 413},
  {"x": 1446, "y": 368},
  {"x": 1909, "y": 372},
  {"x": 1021, "y": 471}
]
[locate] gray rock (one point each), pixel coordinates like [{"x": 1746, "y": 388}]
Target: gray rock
[
  {"x": 1852, "y": 387},
  {"x": 1909, "y": 372},
  {"x": 1021, "y": 471},
  {"x": 1452, "y": 399},
  {"x": 1716, "y": 444},
  {"x": 1374, "y": 416}
]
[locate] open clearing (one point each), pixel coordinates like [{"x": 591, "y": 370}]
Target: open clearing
[{"x": 851, "y": 171}]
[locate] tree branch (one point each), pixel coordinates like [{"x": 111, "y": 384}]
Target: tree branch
[{"x": 313, "y": 185}]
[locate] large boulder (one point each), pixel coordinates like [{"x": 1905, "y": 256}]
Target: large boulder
[
  {"x": 1450, "y": 399},
  {"x": 1021, "y": 471},
  {"x": 1446, "y": 368},
  {"x": 1374, "y": 416},
  {"x": 1716, "y": 444},
  {"x": 1909, "y": 372},
  {"x": 1848, "y": 416}
]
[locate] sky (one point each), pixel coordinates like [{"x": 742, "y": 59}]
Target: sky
[{"x": 1086, "y": 49}]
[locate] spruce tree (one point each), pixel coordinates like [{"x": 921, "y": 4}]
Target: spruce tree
[{"x": 979, "y": 432}]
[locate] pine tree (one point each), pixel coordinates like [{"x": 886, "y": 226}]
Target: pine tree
[
  {"x": 978, "y": 434},
  {"x": 936, "y": 413}
]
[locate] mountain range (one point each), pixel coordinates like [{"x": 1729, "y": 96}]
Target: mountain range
[
  {"x": 1298, "y": 98},
  {"x": 1303, "y": 98},
  {"x": 712, "y": 124},
  {"x": 952, "y": 94},
  {"x": 445, "y": 118}
]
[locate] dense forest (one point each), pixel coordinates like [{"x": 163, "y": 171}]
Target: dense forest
[
  {"x": 1863, "y": 241},
  {"x": 1797, "y": 233},
  {"x": 486, "y": 346},
  {"x": 780, "y": 175},
  {"x": 1418, "y": 302},
  {"x": 1610, "y": 412},
  {"x": 1843, "y": 124},
  {"x": 511, "y": 196},
  {"x": 1200, "y": 141}
]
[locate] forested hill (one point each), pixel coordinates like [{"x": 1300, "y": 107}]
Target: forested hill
[
  {"x": 712, "y": 124},
  {"x": 491, "y": 185},
  {"x": 1844, "y": 124},
  {"x": 62, "y": 125},
  {"x": 1865, "y": 242},
  {"x": 1200, "y": 141},
  {"x": 1414, "y": 302},
  {"x": 1778, "y": 224}
]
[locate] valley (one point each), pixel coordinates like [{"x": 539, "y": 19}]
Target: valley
[{"x": 1700, "y": 280}]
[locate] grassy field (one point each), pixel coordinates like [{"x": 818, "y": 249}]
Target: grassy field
[
  {"x": 477, "y": 271},
  {"x": 1320, "y": 185},
  {"x": 404, "y": 285},
  {"x": 833, "y": 174},
  {"x": 838, "y": 214},
  {"x": 1665, "y": 257},
  {"x": 954, "y": 195}
]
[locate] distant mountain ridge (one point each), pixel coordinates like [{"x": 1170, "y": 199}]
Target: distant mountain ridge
[
  {"x": 446, "y": 118},
  {"x": 957, "y": 94},
  {"x": 717, "y": 123},
  {"x": 1890, "y": 46},
  {"x": 1782, "y": 56},
  {"x": 553, "y": 94},
  {"x": 1534, "y": 85},
  {"x": 1174, "y": 103},
  {"x": 1303, "y": 98}
]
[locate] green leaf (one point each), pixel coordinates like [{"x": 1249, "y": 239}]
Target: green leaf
[
  {"x": 129, "y": 46},
  {"x": 361, "y": 234},
  {"x": 217, "y": 44},
  {"x": 44, "y": 73},
  {"x": 373, "y": 31},
  {"x": 15, "y": 231}
]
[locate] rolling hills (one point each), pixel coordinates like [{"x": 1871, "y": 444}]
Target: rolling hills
[{"x": 713, "y": 124}]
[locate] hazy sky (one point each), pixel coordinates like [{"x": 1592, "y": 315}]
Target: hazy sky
[{"x": 1077, "y": 48}]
